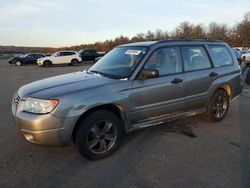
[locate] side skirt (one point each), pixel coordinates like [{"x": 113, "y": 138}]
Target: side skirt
[{"x": 165, "y": 118}]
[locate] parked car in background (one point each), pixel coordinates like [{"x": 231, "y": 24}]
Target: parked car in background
[
  {"x": 133, "y": 86},
  {"x": 237, "y": 55},
  {"x": 61, "y": 57},
  {"x": 90, "y": 54},
  {"x": 246, "y": 57},
  {"x": 97, "y": 59},
  {"x": 30, "y": 58}
]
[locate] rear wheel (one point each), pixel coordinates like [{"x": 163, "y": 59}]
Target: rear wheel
[
  {"x": 18, "y": 63},
  {"x": 74, "y": 62},
  {"x": 47, "y": 64},
  {"x": 218, "y": 106},
  {"x": 244, "y": 58},
  {"x": 99, "y": 135}
]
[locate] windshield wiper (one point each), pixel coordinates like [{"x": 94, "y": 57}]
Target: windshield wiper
[
  {"x": 97, "y": 72},
  {"x": 106, "y": 75}
]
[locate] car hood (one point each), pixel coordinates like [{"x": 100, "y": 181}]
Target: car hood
[{"x": 59, "y": 85}]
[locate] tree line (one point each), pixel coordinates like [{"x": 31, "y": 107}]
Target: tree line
[{"x": 236, "y": 36}]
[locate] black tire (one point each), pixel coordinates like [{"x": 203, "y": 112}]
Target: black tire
[
  {"x": 101, "y": 130},
  {"x": 244, "y": 58},
  {"x": 74, "y": 62},
  {"x": 218, "y": 106},
  {"x": 47, "y": 64}
]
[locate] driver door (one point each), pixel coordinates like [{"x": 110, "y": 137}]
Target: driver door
[
  {"x": 163, "y": 95},
  {"x": 59, "y": 58}
]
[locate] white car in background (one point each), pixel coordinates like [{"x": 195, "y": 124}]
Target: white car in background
[
  {"x": 246, "y": 56},
  {"x": 61, "y": 57}
]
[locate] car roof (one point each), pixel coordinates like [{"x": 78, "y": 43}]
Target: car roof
[
  {"x": 88, "y": 49},
  {"x": 173, "y": 41},
  {"x": 67, "y": 51}
]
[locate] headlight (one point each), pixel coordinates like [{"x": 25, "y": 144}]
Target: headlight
[{"x": 40, "y": 106}]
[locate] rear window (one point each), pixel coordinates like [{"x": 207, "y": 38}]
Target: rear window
[{"x": 220, "y": 55}]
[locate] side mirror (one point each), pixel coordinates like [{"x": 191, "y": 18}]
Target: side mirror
[{"x": 149, "y": 73}]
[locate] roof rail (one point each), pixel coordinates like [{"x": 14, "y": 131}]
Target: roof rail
[{"x": 189, "y": 39}]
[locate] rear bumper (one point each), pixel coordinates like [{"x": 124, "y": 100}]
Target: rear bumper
[{"x": 44, "y": 129}]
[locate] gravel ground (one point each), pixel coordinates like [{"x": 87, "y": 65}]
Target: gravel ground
[{"x": 153, "y": 157}]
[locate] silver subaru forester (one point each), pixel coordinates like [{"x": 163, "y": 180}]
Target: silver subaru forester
[{"x": 133, "y": 86}]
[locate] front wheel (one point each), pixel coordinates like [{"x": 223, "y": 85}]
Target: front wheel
[
  {"x": 99, "y": 135},
  {"x": 47, "y": 64},
  {"x": 18, "y": 63},
  {"x": 74, "y": 62},
  {"x": 218, "y": 106}
]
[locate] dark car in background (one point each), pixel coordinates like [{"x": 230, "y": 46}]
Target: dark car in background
[
  {"x": 90, "y": 54},
  {"x": 26, "y": 59}
]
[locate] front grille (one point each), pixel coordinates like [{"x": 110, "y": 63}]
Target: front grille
[{"x": 16, "y": 100}]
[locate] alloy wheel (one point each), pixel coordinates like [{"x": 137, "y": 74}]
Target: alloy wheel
[
  {"x": 101, "y": 137},
  {"x": 220, "y": 106}
]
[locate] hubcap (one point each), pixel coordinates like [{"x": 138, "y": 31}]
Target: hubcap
[
  {"x": 220, "y": 106},
  {"x": 101, "y": 137}
]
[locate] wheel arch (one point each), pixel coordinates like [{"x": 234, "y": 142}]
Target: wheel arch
[
  {"x": 224, "y": 87},
  {"x": 115, "y": 108},
  {"x": 228, "y": 89},
  {"x": 74, "y": 59}
]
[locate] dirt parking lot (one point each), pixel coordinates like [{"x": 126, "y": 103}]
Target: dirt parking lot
[{"x": 153, "y": 157}]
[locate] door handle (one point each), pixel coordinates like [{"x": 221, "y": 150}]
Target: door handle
[
  {"x": 213, "y": 74},
  {"x": 176, "y": 81}
]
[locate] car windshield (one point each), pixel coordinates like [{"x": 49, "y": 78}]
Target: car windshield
[
  {"x": 55, "y": 54},
  {"x": 25, "y": 55},
  {"x": 120, "y": 62}
]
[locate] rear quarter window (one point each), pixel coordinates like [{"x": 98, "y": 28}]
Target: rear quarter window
[
  {"x": 195, "y": 58},
  {"x": 220, "y": 55}
]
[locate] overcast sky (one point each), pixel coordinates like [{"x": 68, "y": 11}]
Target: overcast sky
[{"x": 58, "y": 23}]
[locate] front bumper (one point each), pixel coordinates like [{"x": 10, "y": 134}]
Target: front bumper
[
  {"x": 43, "y": 129},
  {"x": 40, "y": 63}
]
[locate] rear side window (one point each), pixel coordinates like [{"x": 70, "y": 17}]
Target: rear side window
[
  {"x": 195, "y": 58},
  {"x": 220, "y": 55},
  {"x": 68, "y": 53}
]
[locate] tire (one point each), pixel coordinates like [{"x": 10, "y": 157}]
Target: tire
[
  {"x": 98, "y": 135},
  {"x": 218, "y": 106},
  {"x": 74, "y": 62},
  {"x": 244, "y": 58},
  {"x": 18, "y": 63},
  {"x": 47, "y": 64}
]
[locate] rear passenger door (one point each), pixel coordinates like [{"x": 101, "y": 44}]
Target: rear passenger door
[
  {"x": 199, "y": 75},
  {"x": 68, "y": 56}
]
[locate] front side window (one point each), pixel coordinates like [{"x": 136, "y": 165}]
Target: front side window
[
  {"x": 30, "y": 56},
  {"x": 120, "y": 62},
  {"x": 57, "y": 54},
  {"x": 165, "y": 60},
  {"x": 220, "y": 55},
  {"x": 195, "y": 58}
]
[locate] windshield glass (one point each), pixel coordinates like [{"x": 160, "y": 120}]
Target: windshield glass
[
  {"x": 120, "y": 62},
  {"x": 25, "y": 55}
]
